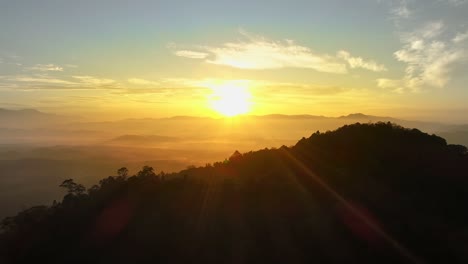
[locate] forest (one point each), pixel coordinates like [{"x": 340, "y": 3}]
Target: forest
[{"x": 363, "y": 193}]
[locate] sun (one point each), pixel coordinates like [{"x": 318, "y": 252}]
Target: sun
[{"x": 230, "y": 98}]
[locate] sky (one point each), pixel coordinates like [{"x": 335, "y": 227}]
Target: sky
[{"x": 142, "y": 58}]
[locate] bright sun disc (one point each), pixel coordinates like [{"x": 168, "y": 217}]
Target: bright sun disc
[{"x": 230, "y": 99}]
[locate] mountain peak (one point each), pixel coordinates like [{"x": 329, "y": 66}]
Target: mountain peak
[{"x": 355, "y": 116}]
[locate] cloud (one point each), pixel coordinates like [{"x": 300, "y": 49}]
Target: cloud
[
  {"x": 44, "y": 80},
  {"x": 429, "y": 31},
  {"x": 170, "y": 87},
  {"x": 46, "y": 67},
  {"x": 358, "y": 62},
  {"x": 460, "y": 37},
  {"x": 394, "y": 85},
  {"x": 268, "y": 89},
  {"x": 256, "y": 52},
  {"x": 93, "y": 81},
  {"x": 164, "y": 86},
  {"x": 191, "y": 54},
  {"x": 138, "y": 81},
  {"x": 429, "y": 59},
  {"x": 261, "y": 53},
  {"x": 401, "y": 10}
]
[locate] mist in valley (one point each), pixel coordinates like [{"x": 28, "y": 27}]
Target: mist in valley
[{"x": 40, "y": 150}]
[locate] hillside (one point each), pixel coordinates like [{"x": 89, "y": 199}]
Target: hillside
[{"x": 364, "y": 193}]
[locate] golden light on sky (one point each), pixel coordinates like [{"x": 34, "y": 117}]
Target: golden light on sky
[
  {"x": 230, "y": 98},
  {"x": 395, "y": 58}
]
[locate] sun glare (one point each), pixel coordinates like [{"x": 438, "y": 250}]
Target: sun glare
[{"x": 230, "y": 98}]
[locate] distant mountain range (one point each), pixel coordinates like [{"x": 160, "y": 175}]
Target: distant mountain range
[
  {"x": 172, "y": 129},
  {"x": 132, "y": 139},
  {"x": 29, "y": 118},
  {"x": 23, "y": 113}
]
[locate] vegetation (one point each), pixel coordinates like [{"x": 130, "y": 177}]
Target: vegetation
[{"x": 365, "y": 193}]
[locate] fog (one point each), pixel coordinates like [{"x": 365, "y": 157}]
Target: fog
[{"x": 40, "y": 150}]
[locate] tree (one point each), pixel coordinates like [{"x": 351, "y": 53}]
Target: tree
[
  {"x": 72, "y": 187},
  {"x": 458, "y": 149},
  {"x": 235, "y": 156},
  {"x": 93, "y": 189},
  {"x": 146, "y": 171},
  {"x": 122, "y": 172}
]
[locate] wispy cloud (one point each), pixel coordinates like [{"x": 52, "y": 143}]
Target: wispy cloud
[
  {"x": 45, "y": 82},
  {"x": 39, "y": 79},
  {"x": 138, "y": 81},
  {"x": 460, "y": 37},
  {"x": 400, "y": 9},
  {"x": 46, "y": 67},
  {"x": 269, "y": 88},
  {"x": 358, "y": 62},
  {"x": 429, "y": 59},
  {"x": 265, "y": 54},
  {"x": 392, "y": 84},
  {"x": 10, "y": 59},
  {"x": 191, "y": 54},
  {"x": 262, "y": 89},
  {"x": 94, "y": 81},
  {"x": 257, "y": 52}
]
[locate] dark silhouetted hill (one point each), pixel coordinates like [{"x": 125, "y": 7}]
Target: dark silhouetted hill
[{"x": 364, "y": 193}]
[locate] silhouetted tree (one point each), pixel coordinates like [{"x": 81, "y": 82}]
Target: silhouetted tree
[
  {"x": 146, "y": 171},
  {"x": 122, "y": 172},
  {"x": 235, "y": 156},
  {"x": 72, "y": 187}
]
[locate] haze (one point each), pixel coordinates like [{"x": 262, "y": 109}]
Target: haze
[{"x": 88, "y": 87}]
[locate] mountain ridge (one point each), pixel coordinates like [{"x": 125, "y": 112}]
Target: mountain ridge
[{"x": 363, "y": 193}]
